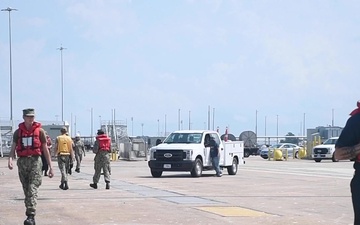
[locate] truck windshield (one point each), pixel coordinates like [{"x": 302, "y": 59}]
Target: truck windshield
[
  {"x": 331, "y": 141},
  {"x": 183, "y": 138}
]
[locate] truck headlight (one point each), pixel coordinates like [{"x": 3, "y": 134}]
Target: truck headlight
[
  {"x": 188, "y": 154},
  {"x": 152, "y": 154}
]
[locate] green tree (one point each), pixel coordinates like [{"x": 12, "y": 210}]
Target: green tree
[{"x": 290, "y": 139}]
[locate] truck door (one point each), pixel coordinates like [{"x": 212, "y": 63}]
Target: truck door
[
  {"x": 207, "y": 161},
  {"x": 221, "y": 148}
]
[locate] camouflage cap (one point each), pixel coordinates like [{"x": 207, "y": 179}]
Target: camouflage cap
[
  {"x": 29, "y": 112},
  {"x": 63, "y": 130}
]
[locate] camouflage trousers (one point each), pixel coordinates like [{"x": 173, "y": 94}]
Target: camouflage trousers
[
  {"x": 102, "y": 161},
  {"x": 29, "y": 169},
  {"x": 78, "y": 158},
  {"x": 64, "y": 165}
]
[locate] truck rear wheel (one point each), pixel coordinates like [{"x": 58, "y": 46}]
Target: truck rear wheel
[
  {"x": 198, "y": 168},
  {"x": 232, "y": 170},
  {"x": 156, "y": 173}
]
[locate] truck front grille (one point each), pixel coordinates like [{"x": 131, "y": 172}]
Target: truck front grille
[
  {"x": 321, "y": 151},
  {"x": 169, "y": 155}
]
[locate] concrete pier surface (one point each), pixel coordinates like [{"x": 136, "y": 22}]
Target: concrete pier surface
[{"x": 263, "y": 192}]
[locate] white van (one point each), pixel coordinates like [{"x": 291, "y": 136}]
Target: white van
[
  {"x": 185, "y": 150},
  {"x": 325, "y": 150}
]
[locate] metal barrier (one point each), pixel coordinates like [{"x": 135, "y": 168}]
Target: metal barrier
[{"x": 132, "y": 149}]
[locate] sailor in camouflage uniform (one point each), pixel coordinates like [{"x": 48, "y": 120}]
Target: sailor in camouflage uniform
[
  {"x": 102, "y": 149},
  {"x": 79, "y": 149},
  {"x": 29, "y": 142}
]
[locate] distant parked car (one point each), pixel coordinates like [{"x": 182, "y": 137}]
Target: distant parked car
[
  {"x": 291, "y": 149},
  {"x": 263, "y": 151}
]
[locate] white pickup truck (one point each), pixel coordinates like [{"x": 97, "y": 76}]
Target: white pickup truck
[
  {"x": 185, "y": 150},
  {"x": 325, "y": 150}
]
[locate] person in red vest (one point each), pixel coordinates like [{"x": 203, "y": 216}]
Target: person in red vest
[
  {"x": 102, "y": 149},
  {"x": 348, "y": 147},
  {"x": 29, "y": 142}
]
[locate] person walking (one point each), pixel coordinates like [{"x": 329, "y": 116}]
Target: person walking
[
  {"x": 29, "y": 142},
  {"x": 65, "y": 154},
  {"x": 79, "y": 149},
  {"x": 348, "y": 147},
  {"x": 102, "y": 148},
  {"x": 45, "y": 166}
]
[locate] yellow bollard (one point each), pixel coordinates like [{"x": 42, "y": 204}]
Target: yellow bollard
[
  {"x": 302, "y": 153},
  {"x": 278, "y": 155}
]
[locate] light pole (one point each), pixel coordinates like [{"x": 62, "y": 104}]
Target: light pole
[
  {"x": 189, "y": 120},
  {"x": 100, "y": 121},
  {"x": 158, "y": 127},
  {"x": 142, "y": 129},
  {"x": 256, "y": 122},
  {"x": 8, "y": 9},
  {"x": 208, "y": 118},
  {"x": 265, "y": 130},
  {"x": 62, "y": 82},
  {"x": 213, "y": 119},
  {"x": 304, "y": 125},
  {"x": 92, "y": 124},
  {"x": 179, "y": 119},
  {"x": 75, "y": 124},
  {"x": 132, "y": 126}
]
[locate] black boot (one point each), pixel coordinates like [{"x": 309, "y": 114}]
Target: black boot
[
  {"x": 65, "y": 185},
  {"x": 77, "y": 170},
  {"x": 61, "y": 186},
  {"x": 30, "y": 220},
  {"x": 45, "y": 173},
  {"x": 94, "y": 185},
  {"x": 108, "y": 185}
]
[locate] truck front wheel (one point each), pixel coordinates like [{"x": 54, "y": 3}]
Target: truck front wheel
[
  {"x": 197, "y": 170},
  {"x": 156, "y": 173},
  {"x": 232, "y": 170}
]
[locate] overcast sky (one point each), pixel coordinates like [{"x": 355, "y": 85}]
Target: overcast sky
[{"x": 147, "y": 59}]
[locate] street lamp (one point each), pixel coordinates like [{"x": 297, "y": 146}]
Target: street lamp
[
  {"x": 62, "y": 82},
  {"x": 8, "y": 9}
]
